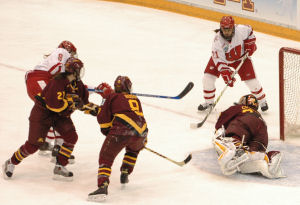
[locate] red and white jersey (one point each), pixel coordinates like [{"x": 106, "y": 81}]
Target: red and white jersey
[
  {"x": 55, "y": 62},
  {"x": 224, "y": 52}
]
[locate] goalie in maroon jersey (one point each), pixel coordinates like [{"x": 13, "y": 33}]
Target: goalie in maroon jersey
[
  {"x": 122, "y": 122},
  {"x": 241, "y": 141},
  {"x": 231, "y": 42},
  {"x": 53, "y": 107}
]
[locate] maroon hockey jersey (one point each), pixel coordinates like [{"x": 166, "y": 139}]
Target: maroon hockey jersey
[
  {"x": 240, "y": 120},
  {"x": 54, "y": 94},
  {"x": 122, "y": 114}
]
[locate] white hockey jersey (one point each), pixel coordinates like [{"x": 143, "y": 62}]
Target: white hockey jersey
[
  {"x": 224, "y": 52},
  {"x": 55, "y": 62}
]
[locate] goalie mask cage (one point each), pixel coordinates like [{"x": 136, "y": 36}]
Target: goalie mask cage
[{"x": 289, "y": 92}]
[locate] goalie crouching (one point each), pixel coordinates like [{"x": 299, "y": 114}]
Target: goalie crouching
[{"x": 241, "y": 141}]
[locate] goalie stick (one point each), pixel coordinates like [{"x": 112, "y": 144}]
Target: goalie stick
[
  {"x": 185, "y": 91},
  {"x": 197, "y": 125},
  {"x": 184, "y": 162}
]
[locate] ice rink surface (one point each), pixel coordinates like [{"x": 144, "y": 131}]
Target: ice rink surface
[{"x": 161, "y": 52}]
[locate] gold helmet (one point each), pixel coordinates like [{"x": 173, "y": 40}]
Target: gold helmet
[{"x": 250, "y": 101}]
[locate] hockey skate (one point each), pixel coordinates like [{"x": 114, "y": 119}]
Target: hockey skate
[
  {"x": 240, "y": 157},
  {"x": 264, "y": 106},
  {"x": 100, "y": 194},
  {"x": 62, "y": 174},
  {"x": 204, "y": 106},
  {"x": 124, "y": 176},
  {"x": 8, "y": 169},
  {"x": 45, "y": 149}
]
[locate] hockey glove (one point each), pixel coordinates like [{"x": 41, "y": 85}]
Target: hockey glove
[
  {"x": 75, "y": 102},
  {"x": 107, "y": 90},
  {"x": 250, "y": 46},
  {"x": 226, "y": 74},
  {"x": 91, "y": 109}
]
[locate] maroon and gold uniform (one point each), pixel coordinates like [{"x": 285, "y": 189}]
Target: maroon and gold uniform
[
  {"x": 122, "y": 122},
  {"x": 53, "y": 107},
  {"x": 241, "y": 120}
]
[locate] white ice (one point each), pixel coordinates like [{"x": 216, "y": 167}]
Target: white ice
[{"x": 161, "y": 52}]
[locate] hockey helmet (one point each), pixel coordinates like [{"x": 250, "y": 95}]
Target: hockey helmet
[
  {"x": 74, "y": 65},
  {"x": 69, "y": 47},
  {"x": 227, "y": 27},
  {"x": 122, "y": 84},
  {"x": 250, "y": 101}
]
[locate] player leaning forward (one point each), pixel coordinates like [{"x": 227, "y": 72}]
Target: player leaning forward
[
  {"x": 241, "y": 141},
  {"x": 53, "y": 107},
  {"x": 231, "y": 42},
  {"x": 122, "y": 122}
]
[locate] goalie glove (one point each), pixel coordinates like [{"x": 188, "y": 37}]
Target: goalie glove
[
  {"x": 106, "y": 88},
  {"x": 250, "y": 46},
  {"x": 91, "y": 109},
  {"x": 226, "y": 74}
]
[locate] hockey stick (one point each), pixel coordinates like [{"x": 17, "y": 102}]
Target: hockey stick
[
  {"x": 184, "y": 162},
  {"x": 185, "y": 91},
  {"x": 197, "y": 125}
]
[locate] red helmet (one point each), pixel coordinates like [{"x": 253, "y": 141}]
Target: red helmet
[
  {"x": 122, "y": 84},
  {"x": 74, "y": 65},
  {"x": 227, "y": 22},
  {"x": 250, "y": 101},
  {"x": 68, "y": 46}
]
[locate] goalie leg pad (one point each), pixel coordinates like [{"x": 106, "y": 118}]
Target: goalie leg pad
[
  {"x": 275, "y": 160},
  {"x": 256, "y": 165},
  {"x": 226, "y": 151},
  {"x": 274, "y": 164}
]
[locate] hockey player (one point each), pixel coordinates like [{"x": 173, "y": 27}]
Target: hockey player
[
  {"x": 122, "y": 122},
  {"x": 53, "y": 107},
  {"x": 231, "y": 42},
  {"x": 241, "y": 141},
  {"x": 38, "y": 78}
]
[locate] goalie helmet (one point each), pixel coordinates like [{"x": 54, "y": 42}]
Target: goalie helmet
[
  {"x": 122, "y": 84},
  {"x": 250, "y": 101},
  {"x": 227, "y": 27},
  {"x": 69, "y": 47},
  {"x": 74, "y": 65}
]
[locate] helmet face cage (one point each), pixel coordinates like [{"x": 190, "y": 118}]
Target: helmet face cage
[
  {"x": 75, "y": 66},
  {"x": 250, "y": 101},
  {"x": 122, "y": 84},
  {"x": 69, "y": 47}
]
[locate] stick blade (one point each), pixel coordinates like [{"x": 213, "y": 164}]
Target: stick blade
[
  {"x": 188, "y": 159},
  {"x": 186, "y": 90},
  {"x": 184, "y": 162}
]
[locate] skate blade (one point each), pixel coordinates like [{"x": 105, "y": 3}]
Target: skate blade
[
  {"x": 53, "y": 160},
  {"x": 97, "y": 198},
  {"x": 4, "y": 174},
  {"x": 71, "y": 161},
  {"x": 124, "y": 186},
  {"x": 44, "y": 153},
  {"x": 57, "y": 177}
]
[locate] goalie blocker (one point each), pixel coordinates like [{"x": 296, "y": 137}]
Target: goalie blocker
[{"x": 241, "y": 141}]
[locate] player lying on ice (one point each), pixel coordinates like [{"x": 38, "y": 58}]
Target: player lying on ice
[{"x": 241, "y": 141}]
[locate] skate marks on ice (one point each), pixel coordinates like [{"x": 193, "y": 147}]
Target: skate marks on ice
[{"x": 206, "y": 160}]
